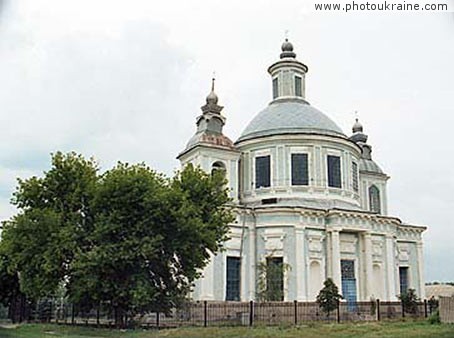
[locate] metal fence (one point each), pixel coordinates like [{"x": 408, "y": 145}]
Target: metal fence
[{"x": 207, "y": 313}]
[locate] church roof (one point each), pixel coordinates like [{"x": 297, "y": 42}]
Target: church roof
[
  {"x": 290, "y": 116},
  {"x": 366, "y": 165}
]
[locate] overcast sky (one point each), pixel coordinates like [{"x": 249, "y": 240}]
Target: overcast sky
[{"x": 124, "y": 80}]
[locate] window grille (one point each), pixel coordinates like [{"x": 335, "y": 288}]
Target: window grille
[
  {"x": 300, "y": 169},
  {"x": 374, "y": 199},
  {"x": 334, "y": 172},
  {"x": 275, "y": 87},
  {"x": 233, "y": 278},
  {"x": 355, "y": 176},
  {"x": 349, "y": 283},
  {"x": 298, "y": 86},
  {"x": 262, "y": 171},
  {"x": 275, "y": 278},
  {"x": 403, "y": 278}
]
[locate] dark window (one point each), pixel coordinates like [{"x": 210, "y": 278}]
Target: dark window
[
  {"x": 374, "y": 199},
  {"x": 300, "y": 169},
  {"x": 218, "y": 167},
  {"x": 269, "y": 201},
  {"x": 403, "y": 278},
  {"x": 262, "y": 171},
  {"x": 298, "y": 88},
  {"x": 349, "y": 283},
  {"x": 275, "y": 279},
  {"x": 355, "y": 176},
  {"x": 275, "y": 88},
  {"x": 334, "y": 171},
  {"x": 233, "y": 278}
]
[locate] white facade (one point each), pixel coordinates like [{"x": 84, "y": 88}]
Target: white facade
[{"x": 307, "y": 195}]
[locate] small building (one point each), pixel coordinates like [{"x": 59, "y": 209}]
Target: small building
[{"x": 306, "y": 196}]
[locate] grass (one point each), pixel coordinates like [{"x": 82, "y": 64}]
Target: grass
[{"x": 406, "y": 329}]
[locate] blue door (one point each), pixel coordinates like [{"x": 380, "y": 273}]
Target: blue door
[{"x": 349, "y": 283}]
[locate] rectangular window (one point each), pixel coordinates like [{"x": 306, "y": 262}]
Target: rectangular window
[
  {"x": 403, "y": 278},
  {"x": 274, "y": 279},
  {"x": 262, "y": 171},
  {"x": 275, "y": 88},
  {"x": 298, "y": 87},
  {"x": 355, "y": 176},
  {"x": 334, "y": 171},
  {"x": 300, "y": 174},
  {"x": 233, "y": 278}
]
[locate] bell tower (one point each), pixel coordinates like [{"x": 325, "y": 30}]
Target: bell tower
[{"x": 209, "y": 148}]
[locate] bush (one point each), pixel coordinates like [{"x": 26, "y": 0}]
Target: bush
[
  {"x": 434, "y": 318},
  {"x": 328, "y": 298},
  {"x": 409, "y": 301}
]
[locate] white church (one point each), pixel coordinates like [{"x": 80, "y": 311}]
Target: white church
[{"x": 306, "y": 195}]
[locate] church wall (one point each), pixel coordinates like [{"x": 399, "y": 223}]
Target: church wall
[
  {"x": 280, "y": 149},
  {"x": 366, "y": 181},
  {"x": 205, "y": 157}
]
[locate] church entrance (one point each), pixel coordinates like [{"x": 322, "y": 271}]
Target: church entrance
[{"x": 349, "y": 283}]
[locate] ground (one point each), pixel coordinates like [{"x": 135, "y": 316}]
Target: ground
[{"x": 371, "y": 329}]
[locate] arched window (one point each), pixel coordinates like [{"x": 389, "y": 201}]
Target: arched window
[
  {"x": 218, "y": 166},
  {"x": 374, "y": 199}
]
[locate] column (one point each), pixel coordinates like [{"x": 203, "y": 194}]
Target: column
[
  {"x": 207, "y": 285},
  {"x": 368, "y": 263},
  {"x": 252, "y": 258},
  {"x": 335, "y": 263},
  {"x": 420, "y": 262},
  {"x": 300, "y": 265},
  {"x": 390, "y": 268}
]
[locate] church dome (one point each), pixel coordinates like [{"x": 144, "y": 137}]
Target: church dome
[{"x": 290, "y": 116}]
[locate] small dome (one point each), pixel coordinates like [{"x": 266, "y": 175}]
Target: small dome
[
  {"x": 357, "y": 127},
  {"x": 212, "y": 98},
  {"x": 287, "y": 50},
  {"x": 287, "y": 46},
  {"x": 358, "y": 135},
  {"x": 290, "y": 116}
]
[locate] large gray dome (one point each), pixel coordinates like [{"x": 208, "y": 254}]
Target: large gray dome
[{"x": 290, "y": 116}]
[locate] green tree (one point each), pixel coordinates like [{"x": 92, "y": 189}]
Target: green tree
[
  {"x": 50, "y": 228},
  {"x": 329, "y": 297},
  {"x": 130, "y": 237},
  {"x": 409, "y": 301},
  {"x": 151, "y": 237},
  {"x": 9, "y": 282}
]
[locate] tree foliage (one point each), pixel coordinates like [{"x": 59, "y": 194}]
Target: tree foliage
[
  {"x": 271, "y": 273},
  {"x": 129, "y": 237},
  {"x": 329, "y": 297},
  {"x": 409, "y": 301}
]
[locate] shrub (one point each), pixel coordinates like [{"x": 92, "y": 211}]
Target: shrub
[
  {"x": 409, "y": 301},
  {"x": 434, "y": 318},
  {"x": 328, "y": 298}
]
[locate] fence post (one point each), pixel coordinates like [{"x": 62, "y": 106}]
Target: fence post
[
  {"x": 338, "y": 312},
  {"x": 72, "y": 314},
  {"x": 97, "y": 316},
  {"x": 403, "y": 308},
  {"x": 205, "y": 313},
  {"x": 425, "y": 308},
  {"x": 295, "y": 303},
  {"x": 378, "y": 310},
  {"x": 251, "y": 313},
  {"x": 157, "y": 319}
]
